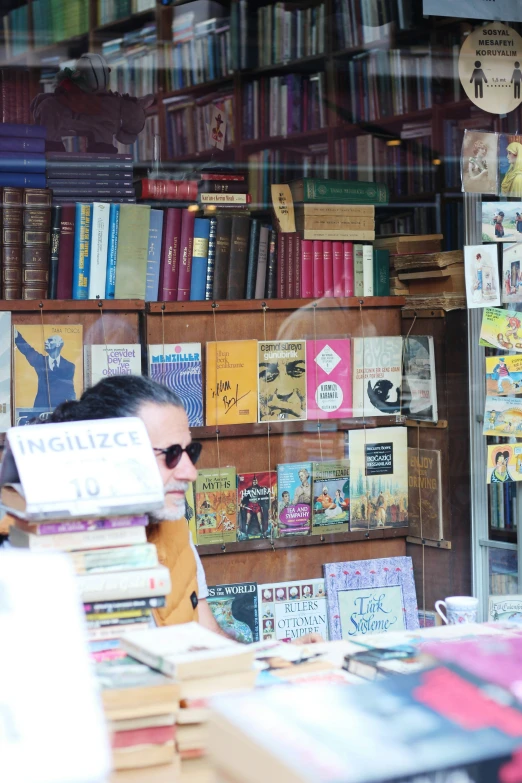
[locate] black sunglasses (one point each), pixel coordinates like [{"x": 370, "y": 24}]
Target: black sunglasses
[{"x": 173, "y": 453}]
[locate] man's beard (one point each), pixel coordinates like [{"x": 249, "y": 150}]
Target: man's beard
[{"x": 174, "y": 512}]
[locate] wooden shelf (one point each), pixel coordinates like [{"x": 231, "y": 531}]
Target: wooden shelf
[
  {"x": 292, "y": 138},
  {"x": 81, "y": 305},
  {"x": 251, "y": 305},
  {"x": 284, "y": 66},
  {"x": 286, "y": 427},
  {"x": 193, "y": 89},
  {"x": 125, "y": 23}
]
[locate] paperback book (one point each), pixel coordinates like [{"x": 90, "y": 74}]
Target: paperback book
[
  {"x": 331, "y": 497},
  {"x": 257, "y": 505},
  {"x": 231, "y": 382},
  {"x": 425, "y": 494},
  {"x": 216, "y": 505},
  {"x": 282, "y": 380},
  {"x": 178, "y": 366},
  {"x": 377, "y": 376},
  {"x": 504, "y": 463},
  {"x": 501, "y": 329},
  {"x": 235, "y": 608},
  {"x": 102, "y": 361},
  {"x": 329, "y": 379},
  {"x": 503, "y": 375},
  {"x": 289, "y": 610},
  {"x": 419, "y": 385},
  {"x": 5, "y": 371},
  {"x": 294, "y": 494},
  {"x": 505, "y": 608}
]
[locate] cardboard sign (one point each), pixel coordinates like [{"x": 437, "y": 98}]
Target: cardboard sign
[
  {"x": 218, "y": 127},
  {"x": 83, "y": 468},
  {"x": 283, "y": 206},
  {"x": 508, "y": 10}
]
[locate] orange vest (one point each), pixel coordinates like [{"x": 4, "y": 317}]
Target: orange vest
[{"x": 172, "y": 540}]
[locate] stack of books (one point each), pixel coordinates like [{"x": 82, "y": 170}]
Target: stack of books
[
  {"x": 419, "y": 266},
  {"x": 133, "y": 60},
  {"x": 90, "y": 176},
  {"x": 15, "y": 97},
  {"x": 22, "y": 155}
]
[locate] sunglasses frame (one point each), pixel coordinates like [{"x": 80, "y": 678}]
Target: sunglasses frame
[{"x": 180, "y": 451}]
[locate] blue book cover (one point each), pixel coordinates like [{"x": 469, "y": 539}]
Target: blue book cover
[
  {"x": 154, "y": 255},
  {"x": 30, "y": 162},
  {"x": 114, "y": 222},
  {"x": 17, "y": 179},
  {"x": 15, "y": 144},
  {"x": 19, "y": 130},
  {"x": 178, "y": 366},
  {"x": 211, "y": 259},
  {"x": 235, "y": 608},
  {"x": 294, "y": 496},
  {"x": 82, "y": 246},
  {"x": 198, "y": 278}
]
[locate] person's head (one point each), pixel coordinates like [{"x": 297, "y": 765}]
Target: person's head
[
  {"x": 303, "y": 475},
  {"x": 255, "y": 482},
  {"x": 163, "y": 414},
  {"x": 277, "y": 387},
  {"x": 501, "y": 460},
  {"x": 477, "y": 63},
  {"x": 500, "y": 214},
  {"x": 501, "y": 361},
  {"x": 53, "y": 345},
  {"x": 513, "y": 151},
  {"x": 325, "y": 490},
  {"x": 480, "y": 150},
  {"x": 286, "y": 497},
  {"x": 517, "y": 64},
  {"x": 337, "y": 493}
]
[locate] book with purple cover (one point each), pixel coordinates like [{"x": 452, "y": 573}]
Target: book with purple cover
[{"x": 82, "y": 525}]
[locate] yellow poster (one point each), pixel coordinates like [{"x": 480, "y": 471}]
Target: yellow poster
[
  {"x": 48, "y": 368},
  {"x": 231, "y": 382}
]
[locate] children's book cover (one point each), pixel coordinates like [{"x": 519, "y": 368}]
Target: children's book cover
[
  {"x": 257, "y": 505},
  {"x": 378, "y": 478},
  {"x": 48, "y": 368},
  {"x": 282, "y": 380},
  {"x": 294, "y": 493},
  {"x": 500, "y": 221},
  {"x": 505, "y": 608},
  {"x": 216, "y": 505},
  {"x": 501, "y": 329},
  {"x": 102, "y": 361},
  {"x": 190, "y": 513},
  {"x": 503, "y": 417},
  {"x": 419, "y": 384},
  {"x": 5, "y": 371},
  {"x": 178, "y": 366},
  {"x": 425, "y": 490},
  {"x": 377, "y": 376},
  {"x": 231, "y": 382},
  {"x": 510, "y": 178},
  {"x": 504, "y": 463},
  {"x": 503, "y": 375},
  {"x": 288, "y": 610},
  {"x": 511, "y": 272},
  {"x": 329, "y": 379},
  {"x": 481, "y": 274},
  {"x": 331, "y": 496},
  {"x": 236, "y": 610},
  {"x": 370, "y": 596},
  {"x": 480, "y": 162}
]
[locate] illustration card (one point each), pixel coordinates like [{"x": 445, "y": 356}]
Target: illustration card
[
  {"x": 377, "y": 376},
  {"x": 331, "y": 496},
  {"x": 235, "y": 609},
  {"x": 178, "y": 366},
  {"x": 480, "y": 162},
  {"x": 48, "y": 368},
  {"x": 370, "y": 596},
  {"x": 425, "y": 492},
  {"x": 231, "y": 382},
  {"x": 501, "y": 221},
  {"x": 505, "y": 608},
  {"x": 510, "y": 172},
  {"x": 481, "y": 271},
  {"x": 501, "y": 329},
  {"x": 288, "y": 610},
  {"x": 294, "y": 493},
  {"x": 419, "y": 383},
  {"x": 5, "y": 371},
  {"x": 504, "y": 463},
  {"x": 257, "y": 505},
  {"x": 329, "y": 379},
  {"x": 503, "y": 417},
  {"x": 503, "y": 375},
  {"x": 511, "y": 272},
  {"x": 216, "y": 505},
  {"x": 282, "y": 380}
]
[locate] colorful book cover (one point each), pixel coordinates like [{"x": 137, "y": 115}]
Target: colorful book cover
[
  {"x": 500, "y": 220},
  {"x": 216, "y": 505},
  {"x": 282, "y": 380},
  {"x": 511, "y": 271},
  {"x": 425, "y": 490},
  {"x": 328, "y": 379},
  {"x": 480, "y": 162},
  {"x": 378, "y": 478},
  {"x": 503, "y": 417},
  {"x": 231, "y": 382},
  {"x": 289, "y": 610},
  {"x": 294, "y": 492},
  {"x": 331, "y": 496},
  {"x": 48, "y": 368},
  {"x": 5, "y": 371},
  {"x": 102, "y": 361},
  {"x": 419, "y": 384},
  {"x": 257, "y": 505},
  {"x": 370, "y": 596},
  {"x": 481, "y": 274},
  {"x": 503, "y": 375},
  {"x": 377, "y": 376},
  {"x": 500, "y": 329},
  {"x": 235, "y": 609},
  {"x": 178, "y": 366},
  {"x": 190, "y": 513},
  {"x": 504, "y": 463},
  {"x": 505, "y": 608}
]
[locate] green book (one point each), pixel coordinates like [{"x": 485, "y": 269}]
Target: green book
[
  {"x": 133, "y": 248},
  {"x": 381, "y": 272},
  {"x": 216, "y": 505},
  {"x": 330, "y": 497},
  {"x": 338, "y": 191}
]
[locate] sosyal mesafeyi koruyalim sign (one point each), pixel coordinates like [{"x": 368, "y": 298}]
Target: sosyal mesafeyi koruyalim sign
[{"x": 490, "y": 67}]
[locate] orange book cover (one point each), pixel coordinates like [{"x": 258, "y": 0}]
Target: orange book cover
[{"x": 231, "y": 382}]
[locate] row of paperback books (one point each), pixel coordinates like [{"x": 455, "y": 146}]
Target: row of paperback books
[
  {"x": 133, "y": 60},
  {"x": 112, "y": 10},
  {"x": 201, "y": 47},
  {"x": 188, "y": 120}
]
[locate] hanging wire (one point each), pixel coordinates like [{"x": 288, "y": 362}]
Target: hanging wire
[
  {"x": 264, "y": 307},
  {"x": 220, "y": 491},
  {"x": 46, "y": 363},
  {"x": 314, "y": 309},
  {"x": 366, "y": 483}
]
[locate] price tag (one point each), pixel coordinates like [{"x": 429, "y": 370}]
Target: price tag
[
  {"x": 84, "y": 468},
  {"x": 283, "y": 206}
]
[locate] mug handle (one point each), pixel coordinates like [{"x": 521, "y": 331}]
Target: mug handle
[{"x": 439, "y": 612}]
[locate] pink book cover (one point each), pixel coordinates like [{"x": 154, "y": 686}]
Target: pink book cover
[
  {"x": 289, "y": 266},
  {"x": 297, "y": 266},
  {"x": 328, "y": 268},
  {"x": 349, "y": 288},
  {"x": 169, "y": 269},
  {"x": 281, "y": 269},
  {"x": 185, "y": 254},
  {"x": 318, "y": 269},
  {"x": 329, "y": 379},
  {"x": 307, "y": 269},
  {"x": 338, "y": 269}
]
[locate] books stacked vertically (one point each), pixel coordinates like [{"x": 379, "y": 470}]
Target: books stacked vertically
[
  {"x": 188, "y": 119},
  {"x": 269, "y": 166},
  {"x": 133, "y": 62},
  {"x": 22, "y": 152},
  {"x": 90, "y": 176}
]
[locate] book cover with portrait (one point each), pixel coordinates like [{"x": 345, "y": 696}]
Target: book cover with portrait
[
  {"x": 294, "y": 496},
  {"x": 480, "y": 162},
  {"x": 330, "y": 497},
  {"x": 236, "y": 611},
  {"x": 282, "y": 380},
  {"x": 178, "y": 366},
  {"x": 48, "y": 368},
  {"x": 257, "y": 505},
  {"x": 288, "y": 610},
  {"x": 231, "y": 382},
  {"x": 216, "y": 505},
  {"x": 377, "y": 376},
  {"x": 504, "y": 463},
  {"x": 329, "y": 379},
  {"x": 510, "y": 165}
]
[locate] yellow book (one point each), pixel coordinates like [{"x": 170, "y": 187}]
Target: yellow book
[{"x": 231, "y": 382}]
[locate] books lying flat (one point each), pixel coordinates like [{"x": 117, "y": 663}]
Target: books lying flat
[
  {"x": 115, "y": 558},
  {"x": 143, "y": 756},
  {"x": 188, "y": 651},
  {"x": 442, "y": 260},
  {"x": 205, "y": 687},
  {"x": 81, "y": 525},
  {"x": 70, "y": 542},
  {"x": 413, "y": 243},
  {"x": 124, "y": 585}
]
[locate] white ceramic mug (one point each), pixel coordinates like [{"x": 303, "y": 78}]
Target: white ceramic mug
[{"x": 459, "y": 609}]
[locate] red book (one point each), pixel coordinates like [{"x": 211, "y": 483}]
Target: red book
[
  {"x": 338, "y": 269},
  {"x": 318, "y": 269},
  {"x": 297, "y": 265},
  {"x": 155, "y": 735},
  {"x": 328, "y": 268},
  {"x": 66, "y": 252},
  {"x": 349, "y": 288},
  {"x": 289, "y": 265},
  {"x": 307, "y": 269},
  {"x": 281, "y": 270},
  {"x": 167, "y": 189},
  {"x": 185, "y": 254},
  {"x": 168, "y": 282}
]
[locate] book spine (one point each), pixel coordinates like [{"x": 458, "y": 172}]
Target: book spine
[
  {"x": 271, "y": 273},
  {"x": 281, "y": 265},
  {"x": 108, "y": 177},
  {"x": 328, "y": 268},
  {"x": 154, "y": 255},
  {"x": 185, "y": 255},
  {"x": 224, "y": 198},
  {"x": 253, "y": 252},
  {"x": 84, "y": 167},
  {"x": 123, "y": 586},
  {"x": 23, "y": 162},
  {"x": 98, "y": 251},
  {"x": 36, "y": 244},
  {"x": 338, "y": 269},
  {"x": 223, "y": 236},
  {"x": 381, "y": 272},
  {"x": 84, "y": 193},
  {"x": 238, "y": 257},
  {"x": 18, "y": 180},
  {"x": 17, "y": 131},
  {"x": 169, "y": 269},
  {"x": 81, "y": 251},
  {"x": 307, "y": 269},
  {"x": 56, "y": 214},
  {"x": 21, "y": 144},
  {"x": 66, "y": 252},
  {"x": 289, "y": 265},
  {"x": 220, "y": 186},
  {"x": 112, "y": 250},
  {"x": 367, "y": 270},
  {"x": 262, "y": 262},
  {"x": 133, "y": 248},
  {"x": 12, "y": 226},
  {"x": 297, "y": 266},
  {"x": 209, "y": 177},
  {"x": 164, "y": 189},
  {"x": 358, "y": 278},
  {"x": 211, "y": 260},
  {"x": 349, "y": 285},
  {"x": 198, "y": 279},
  {"x": 318, "y": 274},
  {"x": 89, "y": 158},
  {"x": 341, "y": 191}
]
